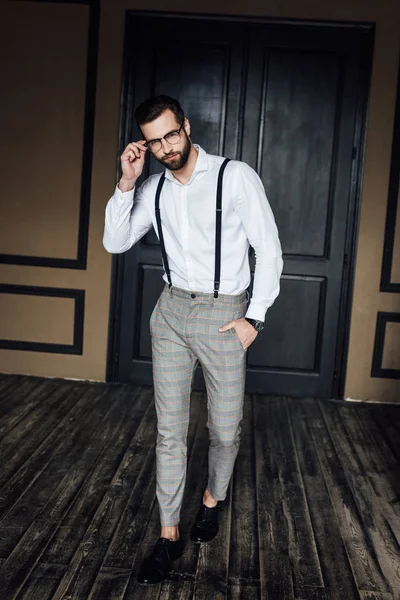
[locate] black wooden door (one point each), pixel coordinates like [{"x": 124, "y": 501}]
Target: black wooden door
[{"x": 283, "y": 98}]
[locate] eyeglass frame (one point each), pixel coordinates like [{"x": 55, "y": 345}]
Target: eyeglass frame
[{"x": 164, "y": 137}]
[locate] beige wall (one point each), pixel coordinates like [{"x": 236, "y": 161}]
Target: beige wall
[
  {"x": 42, "y": 105},
  {"x": 42, "y": 115},
  {"x": 368, "y": 300}
]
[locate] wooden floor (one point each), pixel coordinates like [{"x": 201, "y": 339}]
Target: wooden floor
[{"x": 313, "y": 511}]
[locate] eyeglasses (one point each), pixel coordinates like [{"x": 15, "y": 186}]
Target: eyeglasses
[{"x": 172, "y": 137}]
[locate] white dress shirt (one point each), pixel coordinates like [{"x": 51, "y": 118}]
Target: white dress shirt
[{"x": 188, "y": 223}]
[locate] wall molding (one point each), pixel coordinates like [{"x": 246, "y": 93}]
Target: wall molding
[
  {"x": 87, "y": 155},
  {"x": 379, "y": 346},
  {"x": 77, "y": 295},
  {"x": 387, "y": 285}
]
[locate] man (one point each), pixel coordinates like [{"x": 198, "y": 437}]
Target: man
[{"x": 202, "y": 314}]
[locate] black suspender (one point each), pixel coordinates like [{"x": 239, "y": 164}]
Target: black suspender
[
  {"x": 159, "y": 227},
  {"x": 218, "y": 221},
  {"x": 218, "y": 224}
]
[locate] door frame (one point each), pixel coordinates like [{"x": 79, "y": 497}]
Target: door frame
[{"x": 347, "y": 288}]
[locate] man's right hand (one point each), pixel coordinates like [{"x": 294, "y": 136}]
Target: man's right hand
[{"x": 132, "y": 163}]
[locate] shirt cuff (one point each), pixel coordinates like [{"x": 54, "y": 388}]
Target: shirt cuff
[
  {"x": 255, "y": 311},
  {"x": 123, "y": 197}
]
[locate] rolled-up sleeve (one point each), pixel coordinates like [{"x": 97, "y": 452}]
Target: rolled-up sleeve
[{"x": 255, "y": 213}]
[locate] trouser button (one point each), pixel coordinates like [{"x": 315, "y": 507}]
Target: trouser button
[{"x": 193, "y": 295}]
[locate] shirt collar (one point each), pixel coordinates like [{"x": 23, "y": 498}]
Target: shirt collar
[{"x": 200, "y": 166}]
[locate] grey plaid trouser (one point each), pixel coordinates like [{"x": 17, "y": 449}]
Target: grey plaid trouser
[{"x": 184, "y": 330}]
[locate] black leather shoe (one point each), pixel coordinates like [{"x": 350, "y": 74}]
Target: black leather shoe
[
  {"x": 205, "y": 527},
  {"x": 157, "y": 566}
]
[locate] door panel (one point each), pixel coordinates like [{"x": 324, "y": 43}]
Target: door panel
[
  {"x": 283, "y": 98},
  {"x": 297, "y": 144},
  {"x": 284, "y": 326}
]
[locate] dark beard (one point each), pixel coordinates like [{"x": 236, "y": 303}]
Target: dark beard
[{"x": 180, "y": 161}]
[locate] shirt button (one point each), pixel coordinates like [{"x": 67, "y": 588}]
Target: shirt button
[{"x": 193, "y": 295}]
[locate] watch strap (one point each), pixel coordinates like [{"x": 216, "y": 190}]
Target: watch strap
[{"x": 258, "y": 325}]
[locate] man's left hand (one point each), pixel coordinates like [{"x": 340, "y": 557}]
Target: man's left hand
[{"x": 246, "y": 332}]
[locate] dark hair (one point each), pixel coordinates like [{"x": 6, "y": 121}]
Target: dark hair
[{"x": 152, "y": 108}]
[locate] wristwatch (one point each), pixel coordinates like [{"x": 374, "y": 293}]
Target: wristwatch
[{"x": 258, "y": 325}]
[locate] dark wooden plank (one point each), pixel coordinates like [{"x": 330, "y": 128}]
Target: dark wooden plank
[
  {"x": 42, "y": 582},
  {"x": 8, "y": 383},
  {"x": 376, "y": 596},
  {"x": 311, "y": 593},
  {"x": 128, "y": 442},
  {"x": 387, "y": 420},
  {"x": 381, "y": 464},
  {"x": 54, "y": 464},
  {"x": 31, "y": 546},
  {"x": 393, "y": 413},
  {"x": 366, "y": 570},
  {"x": 32, "y": 420},
  {"x": 110, "y": 584},
  {"x": 275, "y": 569},
  {"x": 383, "y": 547},
  {"x": 23, "y": 439},
  {"x": 56, "y": 446},
  {"x": 331, "y": 549},
  {"x": 241, "y": 591},
  {"x": 244, "y": 555},
  {"x": 303, "y": 551},
  {"x": 87, "y": 559},
  {"x": 21, "y": 400},
  {"x": 291, "y": 554},
  {"x": 380, "y": 455},
  {"x": 338, "y": 463},
  {"x": 383, "y": 475},
  {"x": 176, "y": 590}
]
